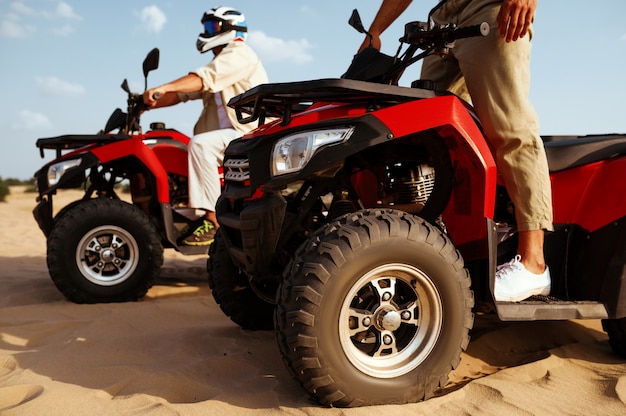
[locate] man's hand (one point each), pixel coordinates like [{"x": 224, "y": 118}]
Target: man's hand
[
  {"x": 375, "y": 43},
  {"x": 149, "y": 99},
  {"x": 515, "y": 18}
]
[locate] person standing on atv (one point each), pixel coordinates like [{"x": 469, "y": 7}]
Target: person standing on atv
[
  {"x": 494, "y": 72},
  {"x": 234, "y": 69}
]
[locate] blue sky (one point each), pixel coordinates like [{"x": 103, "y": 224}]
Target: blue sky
[{"x": 63, "y": 61}]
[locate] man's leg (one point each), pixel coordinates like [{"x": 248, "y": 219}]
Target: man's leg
[
  {"x": 206, "y": 154},
  {"x": 498, "y": 79},
  {"x": 530, "y": 248},
  {"x": 497, "y": 76}
]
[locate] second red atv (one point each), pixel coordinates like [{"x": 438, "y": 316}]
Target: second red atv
[{"x": 101, "y": 248}]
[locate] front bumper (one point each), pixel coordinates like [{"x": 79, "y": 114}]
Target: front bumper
[
  {"x": 43, "y": 215},
  {"x": 252, "y": 234}
]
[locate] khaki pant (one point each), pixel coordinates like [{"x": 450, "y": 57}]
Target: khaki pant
[
  {"x": 206, "y": 155},
  {"x": 496, "y": 76}
]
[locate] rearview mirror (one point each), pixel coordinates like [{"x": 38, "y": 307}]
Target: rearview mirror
[
  {"x": 125, "y": 86},
  {"x": 151, "y": 62},
  {"x": 355, "y": 22}
]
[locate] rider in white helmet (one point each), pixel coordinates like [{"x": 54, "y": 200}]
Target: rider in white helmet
[{"x": 234, "y": 69}]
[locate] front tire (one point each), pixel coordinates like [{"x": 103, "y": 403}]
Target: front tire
[
  {"x": 375, "y": 309},
  {"x": 104, "y": 250}
]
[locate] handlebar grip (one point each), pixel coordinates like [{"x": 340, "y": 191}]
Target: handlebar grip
[{"x": 470, "y": 31}]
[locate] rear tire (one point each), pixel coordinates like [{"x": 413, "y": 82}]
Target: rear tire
[
  {"x": 232, "y": 290},
  {"x": 104, "y": 250},
  {"x": 375, "y": 309}
]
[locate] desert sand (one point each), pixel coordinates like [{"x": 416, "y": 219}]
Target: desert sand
[{"x": 175, "y": 353}]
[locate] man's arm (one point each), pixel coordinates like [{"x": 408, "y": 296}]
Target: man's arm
[{"x": 169, "y": 92}]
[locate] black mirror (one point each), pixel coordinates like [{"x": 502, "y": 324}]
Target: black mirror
[
  {"x": 125, "y": 86},
  {"x": 151, "y": 62},
  {"x": 355, "y": 22}
]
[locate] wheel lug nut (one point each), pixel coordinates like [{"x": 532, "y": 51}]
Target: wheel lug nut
[
  {"x": 386, "y": 296},
  {"x": 387, "y": 339},
  {"x": 406, "y": 315},
  {"x": 367, "y": 321}
]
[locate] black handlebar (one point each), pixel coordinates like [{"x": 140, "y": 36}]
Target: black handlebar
[
  {"x": 470, "y": 31},
  {"x": 420, "y": 35}
]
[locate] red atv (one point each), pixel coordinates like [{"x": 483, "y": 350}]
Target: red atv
[
  {"x": 100, "y": 248},
  {"x": 366, "y": 222}
]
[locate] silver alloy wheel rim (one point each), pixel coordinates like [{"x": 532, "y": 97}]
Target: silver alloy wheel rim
[
  {"x": 390, "y": 320},
  {"x": 107, "y": 255}
]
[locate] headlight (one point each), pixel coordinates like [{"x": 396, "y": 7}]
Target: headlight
[
  {"x": 292, "y": 153},
  {"x": 56, "y": 171}
]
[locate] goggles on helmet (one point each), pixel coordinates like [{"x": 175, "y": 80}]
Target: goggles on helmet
[{"x": 212, "y": 27}]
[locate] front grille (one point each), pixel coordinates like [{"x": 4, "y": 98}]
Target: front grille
[{"x": 237, "y": 170}]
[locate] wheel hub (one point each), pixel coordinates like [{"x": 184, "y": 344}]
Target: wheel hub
[
  {"x": 388, "y": 319},
  {"x": 107, "y": 255}
]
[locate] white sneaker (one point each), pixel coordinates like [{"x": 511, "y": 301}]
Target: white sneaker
[{"x": 514, "y": 283}]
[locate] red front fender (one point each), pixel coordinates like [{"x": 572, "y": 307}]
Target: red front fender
[
  {"x": 475, "y": 173},
  {"x": 136, "y": 148}
]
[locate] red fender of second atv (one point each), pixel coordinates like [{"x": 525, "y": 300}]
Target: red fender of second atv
[
  {"x": 174, "y": 159},
  {"x": 136, "y": 148},
  {"x": 474, "y": 190}
]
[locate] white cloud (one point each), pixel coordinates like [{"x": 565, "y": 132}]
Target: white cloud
[
  {"x": 13, "y": 26},
  {"x": 21, "y": 8},
  {"x": 30, "y": 120},
  {"x": 15, "y": 29},
  {"x": 62, "y": 11},
  {"x": 55, "y": 87},
  {"x": 152, "y": 19},
  {"x": 272, "y": 49},
  {"x": 65, "y": 11}
]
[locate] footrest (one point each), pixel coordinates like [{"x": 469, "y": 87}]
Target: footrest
[
  {"x": 193, "y": 250},
  {"x": 538, "y": 308}
]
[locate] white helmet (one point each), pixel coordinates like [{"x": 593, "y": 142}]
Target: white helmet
[{"x": 221, "y": 25}]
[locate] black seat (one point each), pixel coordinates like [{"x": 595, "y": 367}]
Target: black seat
[{"x": 566, "y": 152}]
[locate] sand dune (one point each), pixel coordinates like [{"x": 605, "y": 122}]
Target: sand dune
[{"x": 174, "y": 352}]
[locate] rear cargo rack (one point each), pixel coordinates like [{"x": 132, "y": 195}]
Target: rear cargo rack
[
  {"x": 75, "y": 141},
  {"x": 282, "y": 100}
]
